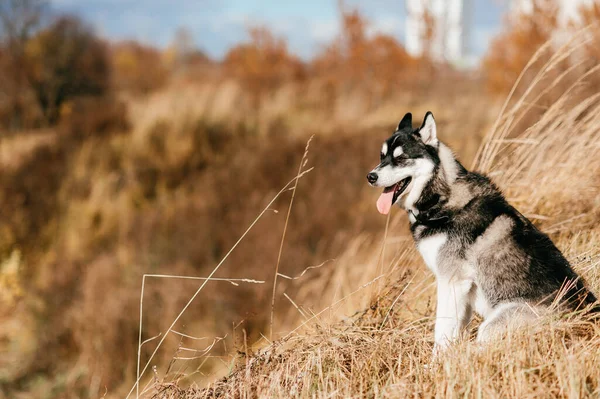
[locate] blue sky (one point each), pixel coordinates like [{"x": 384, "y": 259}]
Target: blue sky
[{"x": 218, "y": 24}]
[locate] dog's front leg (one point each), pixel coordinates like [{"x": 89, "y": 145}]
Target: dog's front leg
[{"x": 453, "y": 311}]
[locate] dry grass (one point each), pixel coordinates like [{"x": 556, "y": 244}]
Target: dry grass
[
  {"x": 364, "y": 360},
  {"x": 550, "y": 171},
  {"x": 15, "y": 150},
  {"x": 87, "y": 212}
]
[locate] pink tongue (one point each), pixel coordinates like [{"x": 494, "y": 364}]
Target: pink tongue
[{"x": 384, "y": 203}]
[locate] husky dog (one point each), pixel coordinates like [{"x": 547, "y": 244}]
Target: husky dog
[{"x": 486, "y": 256}]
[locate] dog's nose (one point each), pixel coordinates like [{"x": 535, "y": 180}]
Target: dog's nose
[{"x": 372, "y": 177}]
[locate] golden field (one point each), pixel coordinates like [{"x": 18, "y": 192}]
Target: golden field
[{"x": 173, "y": 175}]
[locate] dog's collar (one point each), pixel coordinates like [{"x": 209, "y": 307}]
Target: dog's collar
[
  {"x": 424, "y": 219},
  {"x": 430, "y": 210}
]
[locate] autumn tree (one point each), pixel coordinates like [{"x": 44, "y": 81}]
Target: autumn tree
[
  {"x": 263, "y": 63},
  {"x": 137, "y": 68},
  {"x": 19, "y": 20},
  {"x": 63, "y": 62},
  {"x": 345, "y": 60},
  {"x": 378, "y": 65}
]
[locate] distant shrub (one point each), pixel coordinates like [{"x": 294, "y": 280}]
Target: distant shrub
[
  {"x": 263, "y": 63},
  {"x": 137, "y": 68},
  {"x": 64, "y": 61},
  {"x": 86, "y": 116}
]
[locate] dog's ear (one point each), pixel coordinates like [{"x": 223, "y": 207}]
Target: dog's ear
[
  {"x": 428, "y": 130},
  {"x": 406, "y": 122}
]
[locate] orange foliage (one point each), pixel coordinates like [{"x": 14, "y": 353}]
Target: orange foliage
[
  {"x": 263, "y": 63},
  {"x": 523, "y": 36},
  {"x": 378, "y": 64},
  {"x": 345, "y": 58}
]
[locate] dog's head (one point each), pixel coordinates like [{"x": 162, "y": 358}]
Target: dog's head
[{"x": 407, "y": 156}]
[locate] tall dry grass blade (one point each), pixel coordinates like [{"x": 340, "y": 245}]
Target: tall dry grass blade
[
  {"x": 295, "y": 305},
  {"x": 233, "y": 281},
  {"x": 488, "y": 150},
  {"x": 305, "y": 270},
  {"x": 387, "y": 314},
  {"x": 524, "y": 158},
  {"x": 287, "y": 218},
  {"x": 502, "y": 140},
  {"x": 210, "y": 276},
  {"x": 482, "y": 152},
  {"x": 137, "y": 375}
]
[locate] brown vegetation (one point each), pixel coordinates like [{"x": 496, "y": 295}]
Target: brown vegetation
[
  {"x": 156, "y": 162},
  {"x": 65, "y": 61},
  {"x": 263, "y": 64},
  {"x": 49, "y": 68},
  {"x": 137, "y": 68}
]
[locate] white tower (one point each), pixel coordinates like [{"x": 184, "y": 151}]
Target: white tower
[{"x": 450, "y": 27}]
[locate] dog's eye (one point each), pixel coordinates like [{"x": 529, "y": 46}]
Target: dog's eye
[{"x": 400, "y": 158}]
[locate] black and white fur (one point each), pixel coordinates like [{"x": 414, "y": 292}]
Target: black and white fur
[{"x": 486, "y": 256}]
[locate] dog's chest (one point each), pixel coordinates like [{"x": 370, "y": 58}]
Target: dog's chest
[{"x": 431, "y": 249}]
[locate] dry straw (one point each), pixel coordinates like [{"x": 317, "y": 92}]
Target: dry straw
[{"x": 287, "y": 219}]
